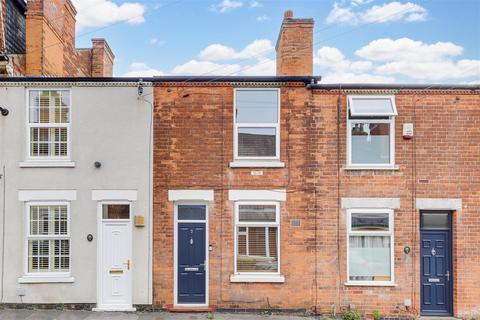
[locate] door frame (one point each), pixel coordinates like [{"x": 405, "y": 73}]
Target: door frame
[
  {"x": 100, "y": 220},
  {"x": 450, "y": 311},
  {"x": 175, "y": 253}
]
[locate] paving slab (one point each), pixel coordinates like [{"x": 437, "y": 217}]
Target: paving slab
[{"x": 24, "y": 314}]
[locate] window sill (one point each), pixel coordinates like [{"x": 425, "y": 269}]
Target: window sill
[
  {"x": 257, "y": 164},
  {"x": 370, "y": 284},
  {"x": 352, "y": 168},
  {"x": 46, "y": 279},
  {"x": 46, "y": 164},
  {"x": 276, "y": 278}
]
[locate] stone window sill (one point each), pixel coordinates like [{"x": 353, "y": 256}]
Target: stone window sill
[
  {"x": 353, "y": 168},
  {"x": 276, "y": 278},
  {"x": 46, "y": 164},
  {"x": 257, "y": 164},
  {"x": 46, "y": 279},
  {"x": 370, "y": 284}
]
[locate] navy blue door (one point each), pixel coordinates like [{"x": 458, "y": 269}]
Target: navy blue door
[
  {"x": 191, "y": 263},
  {"x": 436, "y": 267}
]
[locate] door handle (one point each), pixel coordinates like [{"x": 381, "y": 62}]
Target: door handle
[
  {"x": 447, "y": 274},
  {"x": 128, "y": 264}
]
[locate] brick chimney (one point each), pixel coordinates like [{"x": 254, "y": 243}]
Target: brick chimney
[
  {"x": 50, "y": 43},
  {"x": 295, "y": 46},
  {"x": 102, "y": 58}
]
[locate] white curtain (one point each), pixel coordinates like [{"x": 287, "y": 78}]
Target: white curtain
[{"x": 369, "y": 258}]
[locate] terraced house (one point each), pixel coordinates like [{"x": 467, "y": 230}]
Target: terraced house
[{"x": 243, "y": 193}]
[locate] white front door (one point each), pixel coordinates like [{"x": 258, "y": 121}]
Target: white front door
[{"x": 115, "y": 254}]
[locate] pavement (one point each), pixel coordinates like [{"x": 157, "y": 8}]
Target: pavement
[{"x": 24, "y": 314}]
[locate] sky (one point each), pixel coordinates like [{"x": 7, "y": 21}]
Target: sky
[{"x": 355, "y": 41}]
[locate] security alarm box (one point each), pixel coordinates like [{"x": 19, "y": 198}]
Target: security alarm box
[{"x": 407, "y": 130}]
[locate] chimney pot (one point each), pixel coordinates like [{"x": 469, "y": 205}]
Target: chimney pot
[{"x": 288, "y": 14}]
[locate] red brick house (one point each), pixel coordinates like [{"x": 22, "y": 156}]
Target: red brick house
[
  {"x": 286, "y": 193},
  {"x": 37, "y": 38}
]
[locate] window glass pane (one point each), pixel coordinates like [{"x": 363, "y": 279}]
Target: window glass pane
[
  {"x": 257, "y": 106},
  {"x": 191, "y": 212},
  {"x": 48, "y": 220},
  {"x": 48, "y": 255},
  {"x": 257, "y": 213},
  {"x": 47, "y": 142},
  {"x": 435, "y": 220},
  {"x": 370, "y": 143},
  {"x": 369, "y": 221},
  {"x": 49, "y": 106},
  {"x": 256, "y": 142},
  {"x": 369, "y": 258},
  {"x": 371, "y": 105},
  {"x": 257, "y": 249},
  {"x": 116, "y": 211}
]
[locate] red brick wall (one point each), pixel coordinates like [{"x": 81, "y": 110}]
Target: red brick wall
[{"x": 193, "y": 148}]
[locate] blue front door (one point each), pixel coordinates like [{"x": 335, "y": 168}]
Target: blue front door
[
  {"x": 436, "y": 265},
  {"x": 191, "y": 263}
]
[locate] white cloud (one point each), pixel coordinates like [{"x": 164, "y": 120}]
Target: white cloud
[
  {"x": 263, "y": 18},
  {"x": 156, "y": 41},
  {"x": 227, "y": 5},
  {"x": 432, "y": 71},
  {"x": 332, "y": 59},
  {"x": 256, "y": 49},
  {"x": 255, "y": 4},
  {"x": 99, "y": 13},
  {"x": 407, "y": 49},
  {"x": 195, "y": 67},
  {"x": 140, "y": 69},
  {"x": 419, "y": 60},
  {"x": 265, "y": 67},
  {"x": 393, "y": 11},
  {"x": 384, "y": 60}
]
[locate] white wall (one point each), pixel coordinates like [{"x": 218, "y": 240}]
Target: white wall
[{"x": 109, "y": 124}]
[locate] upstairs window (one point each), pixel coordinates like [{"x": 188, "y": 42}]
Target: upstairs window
[
  {"x": 371, "y": 131},
  {"x": 257, "y": 124},
  {"x": 48, "y": 124}
]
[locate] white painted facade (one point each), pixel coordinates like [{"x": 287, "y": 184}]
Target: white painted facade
[{"x": 110, "y": 124}]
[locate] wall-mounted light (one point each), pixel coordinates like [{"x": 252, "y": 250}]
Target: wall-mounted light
[{"x": 4, "y": 111}]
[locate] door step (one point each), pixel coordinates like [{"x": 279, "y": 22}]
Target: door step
[{"x": 191, "y": 309}]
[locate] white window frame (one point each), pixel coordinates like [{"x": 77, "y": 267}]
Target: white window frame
[
  {"x": 389, "y": 233},
  {"x": 46, "y": 275},
  {"x": 351, "y": 105},
  {"x": 390, "y": 121},
  {"x": 236, "y": 125},
  {"x": 29, "y": 125},
  {"x": 257, "y": 224}
]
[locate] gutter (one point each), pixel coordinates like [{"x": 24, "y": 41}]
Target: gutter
[{"x": 357, "y": 86}]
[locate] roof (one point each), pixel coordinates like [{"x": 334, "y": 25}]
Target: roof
[
  {"x": 393, "y": 86},
  {"x": 312, "y": 82},
  {"x": 304, "y": 79}
]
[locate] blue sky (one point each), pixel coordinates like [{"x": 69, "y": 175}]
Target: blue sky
[{"x": 428, "y": 41}]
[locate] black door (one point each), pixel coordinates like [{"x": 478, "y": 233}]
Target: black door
[
  {"x": 436, "y": 264},
  {"x": 191, "y": 263}
]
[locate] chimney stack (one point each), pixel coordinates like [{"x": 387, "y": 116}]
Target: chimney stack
[
  {"x": 295, "y": 46},
  {"x": 102, "y": 58}
]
